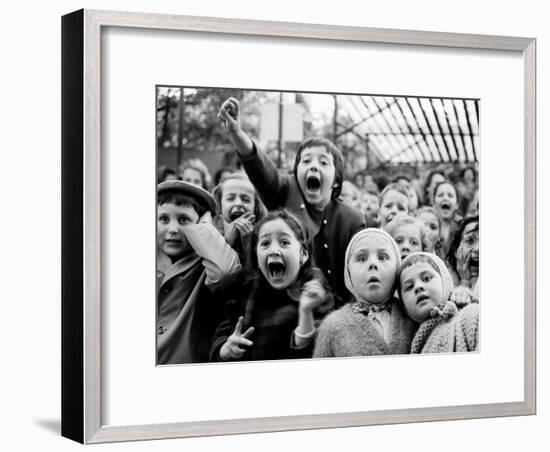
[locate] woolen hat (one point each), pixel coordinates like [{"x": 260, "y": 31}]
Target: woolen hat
[
  {"x": 351, "y": 245},
  {"x": 187, "y": 189},
  {"x": 446, "y": 277}
]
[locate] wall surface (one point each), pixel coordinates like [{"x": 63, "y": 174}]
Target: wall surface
[{"x": 30, "y": 230}]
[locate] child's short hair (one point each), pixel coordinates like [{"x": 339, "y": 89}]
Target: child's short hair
[
  {"x": 402, "y": 219},
  {"x": 293, "y": 222},
  {"x": 428, "y": 209},
  {"x": 468, "y": 168},
  {"x": 184, "y": 194},
  {"x": 164, "y": 172},
  {"x": 179, "y": 199},
  {"x": 374, "y": 193},
  {"x": 372, "y": 188},
  {"x": 352, "y": 187},
  {"x": 434, "y": 262},
  {"x": 219, "y": 174},
  {"x": 415, "y": 258},
  {"x": 412, "y": 259},
  {"x": 396, "y": 186},
  {"x": 198, "y": 165},
  {"x": 400, "y": 176},
  {"x": 447, "y": 182},
  {"x": 259, "y": 208},
  {"x": 337, "y": 157},
  {"x": 174, "y": 197},
  {"x": 430, "y": 176}
]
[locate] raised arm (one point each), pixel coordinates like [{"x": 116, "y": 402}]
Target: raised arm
[
  {"x": 230, "y": 115},
  {"x": 220, "y": 261},
  {"x": 262, "y": 172}
]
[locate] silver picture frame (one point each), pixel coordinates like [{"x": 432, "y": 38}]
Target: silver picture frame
[{"x": 82, "y": 218}]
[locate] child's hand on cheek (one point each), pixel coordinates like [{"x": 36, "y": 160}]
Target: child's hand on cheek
[
  {"x": 241, "y": 226},
  {"x": 245, "y": 224},
  {"x": 462, "y": 296},
  {"x": 230, "y": 232},
  {"x": 463, "y": 265},
  {"x": 206, "y": 218},
  {"x": 313, "y": 295},
  {"x": 237, "y": 344}
]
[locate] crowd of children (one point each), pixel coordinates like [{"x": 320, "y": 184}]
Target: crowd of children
[{"x": 276, "y": 265}]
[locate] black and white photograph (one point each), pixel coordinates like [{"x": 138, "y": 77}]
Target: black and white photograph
[
  {"x": 295, "y": 225},
  {"x": 257, "y": 226}
]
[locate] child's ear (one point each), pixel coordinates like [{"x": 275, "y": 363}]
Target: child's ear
[{"x": 304, "y": 255}]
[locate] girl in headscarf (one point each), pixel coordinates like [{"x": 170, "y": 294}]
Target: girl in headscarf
[
  {"x": 425, "y": 286},
  {"x": 374, "y": 323}
]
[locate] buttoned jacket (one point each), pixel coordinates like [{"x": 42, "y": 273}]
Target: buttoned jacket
[{"x": 188, "y": 312}]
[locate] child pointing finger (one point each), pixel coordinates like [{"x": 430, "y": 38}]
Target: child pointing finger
[{"x": 237, "y": 344}]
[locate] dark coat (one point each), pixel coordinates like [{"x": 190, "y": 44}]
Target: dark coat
[
  {"x": 187, "y": 310},
  {"x": 274, "y": 316}
]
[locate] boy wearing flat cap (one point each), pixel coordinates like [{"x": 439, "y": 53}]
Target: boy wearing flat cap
[{"x": 193, "y": 260}]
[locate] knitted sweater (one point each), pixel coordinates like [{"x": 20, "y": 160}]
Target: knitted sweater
[
  {"x": 450, "y": 331},
  {"x": 346, "y": 333}
]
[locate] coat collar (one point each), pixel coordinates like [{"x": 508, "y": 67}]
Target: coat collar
[{"x": 169, "y": 270}]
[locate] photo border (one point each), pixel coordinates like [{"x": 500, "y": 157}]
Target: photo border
[{"x": 82, "y": 198}]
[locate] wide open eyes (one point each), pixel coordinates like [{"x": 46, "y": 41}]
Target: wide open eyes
[{"x": 383, "y": 256}]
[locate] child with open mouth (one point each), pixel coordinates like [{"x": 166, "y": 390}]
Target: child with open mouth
[
  {"x": 446, "y": 205},
  {"x": 274, "y": 314},
  {"x": 238, "y": 209},
  {"x": 463, "y": 258},
  {"x": 311, "y": 193},
  {"x": 425, "y": 287},
  {"x": 375, "y": 323}
]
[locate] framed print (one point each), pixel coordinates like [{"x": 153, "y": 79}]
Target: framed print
[{"x": 243, "y": 199}]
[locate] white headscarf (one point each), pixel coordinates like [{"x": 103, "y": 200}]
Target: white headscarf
[
  {"x": 351, "y": 245},
  {"x": 446, "y": 278}
]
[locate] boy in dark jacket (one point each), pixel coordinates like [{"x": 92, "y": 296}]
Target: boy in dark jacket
[
  {"x": 311, "y": 193},
  {"x": 193, "y": 259}
]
